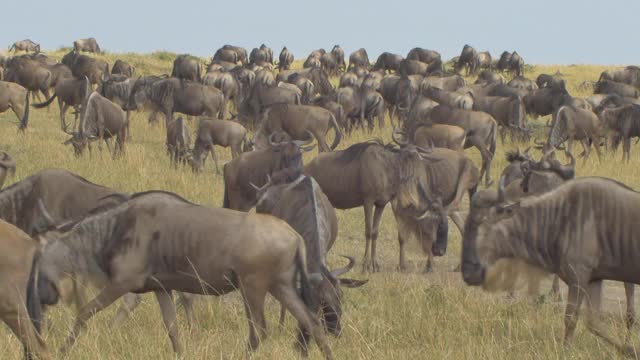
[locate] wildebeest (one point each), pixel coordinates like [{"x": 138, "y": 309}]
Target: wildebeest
[
  {"x": 483, "y": 61},
  {"x": 298, "y": 200},
  {"x": 447, "y": 83},
  {"x": 175, "y": 95},
  {"x": 285, "y": 59},
  {"x": 88, "y": 45},
  {"x": 547, "y": 80},
  {"x": 81, "y": 65},
  {"x": 178, "y": 260},
  {"x": 178, "y": 141},
  {"x": 16, "y": 98},
  {"x": 20, "y": 304},
  {"x": 260, "y": 98},
  {"x": 186, "y": 67},
  {"x": 268, "y": 52},
  {"x": 629, "y": 75},
  {"x": 7, "y": 166},
  {"x": 299, "y": 122},
  {"x": 466, "y": 60},
  {"x": 511, "y": 62},
  {"x": 452, "y": 99},
  {"x": 360, "y": 103},
  {"x": 431, "y": 189},
  {"x": 573, "y": 123},
  {"x": 440, "y": 136},
  {"x": 489, "y": 77},
  {"x": 100, "y": 119},
  {"x": 224, "y": 55},
  {"x": 359, "y": 58},
  {"x": 25, "y": 45},
  {"x": 254, "y": 166},
  {"x": 223, "y": 133},
  {"x": 612, "y": 87},
  {"x": 593, "y": 222},
  {"x": 70, "y": 92},
  {"x": 227, "y": 83},
  {"x": 624, "y": 123},
  {"x": 521, "y": 82},
  {"x": 424, "y": 55},
  {"x": 240, "y": 51},
  {"x": 32, "y": 75},
  {"x": 481, "y": 130},
  {"x": 388, "y": 62},
  {"x": 513, "y": 171},
  {"x": 121, "y": 67},
  {"x": 509, "y": 112}
]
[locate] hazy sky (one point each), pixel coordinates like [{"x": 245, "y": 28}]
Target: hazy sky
[{"x": 542, "y": 31}]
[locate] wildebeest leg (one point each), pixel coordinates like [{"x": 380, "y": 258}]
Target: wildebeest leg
[
  {"x": 168, "y": 310},
  {"x": 555, "y": 289},
  {"x": 18, "y": 322},
  {"x": 63, "y": 109},
  {"x": 283, "y": 313},
  {"x": 596, "y": 144},
  {"x": 486, "y": 159},
  {"x": 586, "y": 147},
  {"x": 594, "y": 322},
  {"x": 186, "y": 300},
  {"x": 626, "y": 149},
  {"x": 629, "y": 290},
  {"x": 129, "y": 303},
  {"x": 106, "y": 297},
  {"x": 368, "y": 209},
  {"x": 254, "y": 296},
  {"x": 289, "y": 298},
  {"x": 377, "y": 216},
  {"x": 458, "y": 220},
  {"x": 574, "y": 299},
  {"x": 402, "y": 238},
  {"x": 322, "y": 143},
  {"x": 214, "y": 155}
]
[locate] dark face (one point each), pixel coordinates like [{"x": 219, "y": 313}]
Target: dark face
[
  {"x": 78, "y": 143},
  {"x": 330, "y": 297},
  {"x": 473, "y": 272}
]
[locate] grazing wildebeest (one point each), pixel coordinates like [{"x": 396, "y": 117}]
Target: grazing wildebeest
[
  {"x": 572, "y": 124},
  {"x": 186, "y": 67},
  {"x": 178, "y": 262},
  {"x": 298, "y": 200},
  {"x": 299, "y": 122},
  {"x": 81, "y": 65},
  {"x": 70, "y": 92},
  {"x": 509, "y": 112},
  {"x": 612, "y": 87},
  {"x": 513, "y": 171},
  {"x": 483, "y": 61},
  {"x": 16, "y": 98},
  {"x": 20, "y": 305},
  {"x": 409, "y": 67},
  {"x": 100, "y": 119},
  {"x": 7, "y": 165},
  {"x": 481, "y": 130},
  {"x": 452, "y": 99},
  {"x": 175, "y": 95},
  {"x": 466, "y": 60},
  {"x": 254, "y": 166},
  {"x": 25, "y": 45},
  {"x": 433, "y": 189},
  {"x": 121, "y": 67},
  {"x": 285, "y": 59},
  {"x": 440, "y": 136},
  {"x": 261, "y": 97},
  {"x": 178, "y": 141},
  {"x": 592, "y": 220},
  {"x": 424, "y": 55},
  {"x": 521, "y": 82},
  {"x": 447, "y": 83},
  {"x": 624, "y": 123},
  {"x": 546, "y": 80},
  {"x": 629, "y": 75},
  {"x": 489, "y": 77},
  {"x": 88, "y": 45},
  {"x": 388, "y": 62},
  {"x": 224, "y": 55},
  {"x": 312, "y": 61},
  {"x": 359, "y": 58},
  {"x": 338, "y": 55},
  {"x": 213, "y": 132}
]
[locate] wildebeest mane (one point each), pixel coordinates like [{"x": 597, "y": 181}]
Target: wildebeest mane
[
  {"x": 354, "y": 151},
  {"x": 514, "y": 155},
  {"x": 151, "y": 192}
]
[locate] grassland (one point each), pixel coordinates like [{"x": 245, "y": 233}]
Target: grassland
[{"x": 395, "y": 316}]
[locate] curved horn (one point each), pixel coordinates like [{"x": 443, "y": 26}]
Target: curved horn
[
  {"x": 45, "y": 213},
  {"x": 501, "y": 195},
  {"x": 347, "y": 268},
  {"x": 266, "y": 185},
  {"x": 272, "y": 143},
  {"x": 302, "y": 143},
  {"x": 568, "y": 171},
  {"x": 400, "y": 141}
]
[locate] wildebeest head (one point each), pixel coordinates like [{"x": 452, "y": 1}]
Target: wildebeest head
[{"x": 546, "y": 167}]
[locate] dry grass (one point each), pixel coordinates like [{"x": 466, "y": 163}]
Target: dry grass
[{"x": 395, "y": 316}]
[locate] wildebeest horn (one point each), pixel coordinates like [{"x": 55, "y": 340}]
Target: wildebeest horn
[
  {"x": 45, "y": 213},
  {"x": 346, "y": 269},
  {"x": 501, "y": 195},
  {"x": 400, "y": 141},
  {"x": 266, "y": 185},
  {"x": 302, "y": 143},
  {"x": 568, "y": 171},
  {"x": 8, "y": 163}
]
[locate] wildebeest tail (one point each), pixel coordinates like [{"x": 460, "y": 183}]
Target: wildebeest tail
[
  {"x": 34, "y": 307},
  {"x": 557, "y": 133},
  {"x": 25, "y": 117},
  {"x": 338, "y": 137},
  {"x": 46, "y": 103},
  {"x": 493, "y": 135}
]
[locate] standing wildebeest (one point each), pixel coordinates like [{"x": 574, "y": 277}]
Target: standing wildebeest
[
  {"x": 432, "y": 191},
  {"x": 481, "y": 130},
  {"x": 240, "y": 51},
  {"x": 573, "y": 123},
  {"x": 546, "y": 80},
  {"x": 285, "y": 59},
  {"x": 299, "y": 122},
  {"x": 521, "y": 82},
  {"x": 88, "y": 45},
  {"x": 178, "y": 141},
  {"x": 629, "y": 75},
  {"x": 192, "y": 246},
  {"x": 70, "y": 92},
  {"x": 261, "y": 97},
  {"x": 227, "y": 83},
  {"x": 59, "y": 72},
  {"x": 338, "y": 55},
  {"x": 447, "y": 83},
  {"x": 16, "y": 98},
  {"x": 175, "y": 95},
  {"x": 359, "y": 58},
  {"x": 624, "y": 123},
  {"x": 224, "y": 55},
  {"x": 424, "y": 55},
  {"x": 25, "y": 45},
  {"x": 313, "y": 61},
  {"x": 452, "y": 99},
  {"x": 259, "y": 57},
  {"x": 213, "y": 132},
  {"x": 267, "y": 50},
  {"x": 32, "y": 75},
  {"x": 123, "y": 68},
  {"x": 100, "y": 119},
  {"x": 466, "y": 60},
  {"x": 511, "y": 62},
  {"x": 440, "y": 136},
  {"x": 388, "y": 61},
  {"x": 254, "y": 167},
  {"x": 298, "y": 200},
  {"x": 82, "y": 65},
  {"x": 361, "y": 103},
  {"x": 489, "y": 77},
  {"x": 483, "y": 61},
  {"x": 612, "y": 87},
  {"x": 591, "y": 219},
  {"x": 509, "y": 112},
  {"x": 7, "y": 165},
  {"x": 186, "y": 67},
  {"x": 19, "y": 256}
]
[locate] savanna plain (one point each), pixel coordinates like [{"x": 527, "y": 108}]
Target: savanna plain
[{"x": 394, "y": 316}]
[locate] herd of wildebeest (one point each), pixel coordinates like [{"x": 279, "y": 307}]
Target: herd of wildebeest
[{"x": 541, "y": 219}]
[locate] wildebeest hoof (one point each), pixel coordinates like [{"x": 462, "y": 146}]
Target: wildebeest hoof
[
  {"x": 403, "y": 268},
  {"x": 428, "y": 269},
  {"x": 375, "y": 267}
]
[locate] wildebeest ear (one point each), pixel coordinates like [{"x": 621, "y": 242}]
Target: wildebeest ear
[{"x": 352, "y": 283}]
